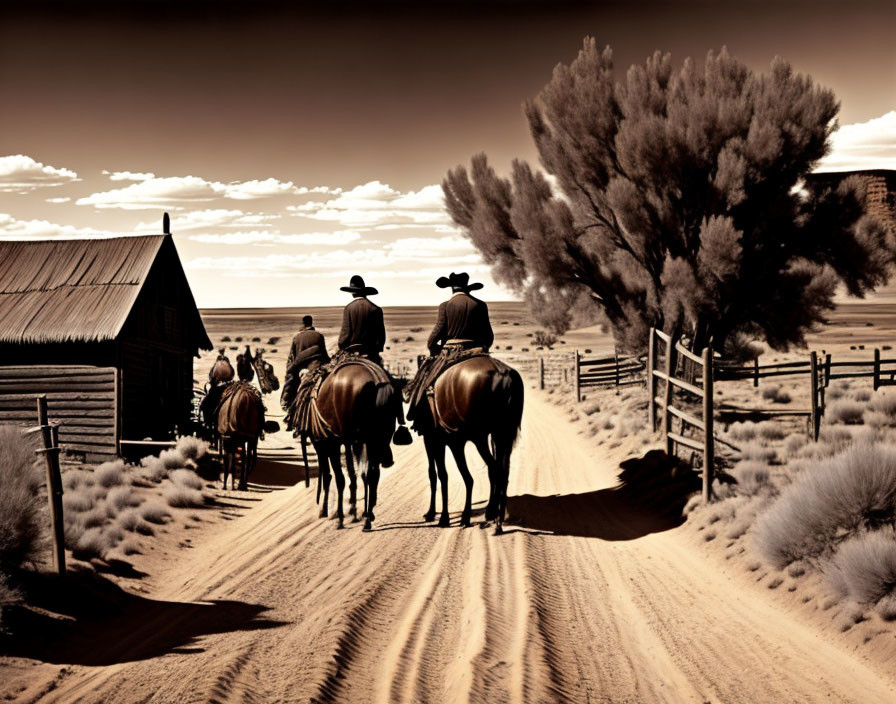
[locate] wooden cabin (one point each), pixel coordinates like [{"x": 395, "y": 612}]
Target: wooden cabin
[{"x": 107, "y": 329}]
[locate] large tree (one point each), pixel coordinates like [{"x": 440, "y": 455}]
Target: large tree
[{"x": 675, "y": 199}]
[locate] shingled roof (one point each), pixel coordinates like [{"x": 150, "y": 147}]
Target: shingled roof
[{"x": 74, "y": 290}]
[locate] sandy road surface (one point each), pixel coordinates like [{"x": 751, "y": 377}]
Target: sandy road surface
[{"x": 413, "y": 613}]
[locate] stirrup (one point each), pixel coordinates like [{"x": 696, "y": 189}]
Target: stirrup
[{"x": 402, "y": 436}]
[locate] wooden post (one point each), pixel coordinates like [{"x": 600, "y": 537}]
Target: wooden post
[
  {"x": 54, "y": 483},
  {"x": 576, "y": 370},
  {"x": 616, "y": 361},
  {"x": 876, "y": 368},
  {"x": 827, "y": 370},
  {"x": 813, "y": 372},
  {"x": 708, "y": 448},
  {"x": 755, "y": 372},
  {"x": 541, "y": 373},
  {"x": 651, "y": 382},
  {"x": 667, "y": 395}
]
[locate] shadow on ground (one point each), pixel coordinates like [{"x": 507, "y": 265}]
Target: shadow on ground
[
  {"x": 649, "y": 498},
  {"x": 88, "y": 620}
]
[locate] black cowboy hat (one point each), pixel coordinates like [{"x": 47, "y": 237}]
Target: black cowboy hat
[
  {"x": 356, "y": 286},
  {"x": 459, "y": 282}
]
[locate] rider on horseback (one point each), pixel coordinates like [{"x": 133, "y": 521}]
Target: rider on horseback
[
  {"x": 363, "y": 331},
  {"x": 462, "y": 330},
  {"x": 308, "y": 352}
]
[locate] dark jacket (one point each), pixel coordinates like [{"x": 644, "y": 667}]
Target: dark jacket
[
  {"x": 462, "y": 317},
  {"x": 362, "y": 327},
  {"x": 307, "y": 345}
]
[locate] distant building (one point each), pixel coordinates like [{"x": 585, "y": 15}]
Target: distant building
[
  {"x": 108, "y": 329},
  {"x": 881, "y": 188}
]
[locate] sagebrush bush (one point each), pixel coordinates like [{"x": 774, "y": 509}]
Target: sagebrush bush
[
  {"x": 841, "y": 496},
  {"x": 183, "y": 497},
  {"x": 751, "y": 476},
  {"x": 77, "y": 500},
  {"x": 21, "y": 509},
  {"x": 743, "y": 431},
  {"x": 122, "y": 497},
  {"x": 793, "y": 443},
  {"x": 838, "y": 390},
  {"x": 884, "y": 403},
  {"x": 775, "y": 394},
  {"x": 757, "y": 451},
  {"x": 191, "y": 448},
  {"x": 111, "y": 474},
  {"x": 844, "y": 411},
  {"x": 864, "y": 567},
  {"x": 591, "y": 407},
  {"x": 154, "y": 512},
  {"x": 769, "y": 430},
  {"x": 186, "y": 478}
]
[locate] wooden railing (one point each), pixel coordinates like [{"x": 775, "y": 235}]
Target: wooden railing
[
  {"x": 618, "y": 370},
  {"x": 672, "y": 350}
]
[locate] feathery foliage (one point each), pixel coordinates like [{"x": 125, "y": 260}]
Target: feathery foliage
[{"x": 677, "y": 203}]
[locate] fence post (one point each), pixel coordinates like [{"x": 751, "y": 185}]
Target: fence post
[
  {"x": 827, "y": 370},
  {"x": 667, "y": 396},
  {"x": 651, "y": 383},
  {"x": 578, "y": 390},
  {"x": 755, "y": 372},
  {"x": 541, "y": 373},
  {"x": 876, "y": 368},
  {"x": 708, "y": 448},
  {"x": 813, "y": 371},
  {"x": 54, "y": 483}
]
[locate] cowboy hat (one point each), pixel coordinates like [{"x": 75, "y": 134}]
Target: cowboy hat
[
  {"x": 356, "y": 286},
  {"x": 458, "y": 282}
]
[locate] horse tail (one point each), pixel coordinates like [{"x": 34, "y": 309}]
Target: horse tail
[{"x": 507, "y": 390}]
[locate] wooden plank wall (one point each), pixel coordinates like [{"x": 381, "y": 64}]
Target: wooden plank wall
[{"x": 81, "y": 398}]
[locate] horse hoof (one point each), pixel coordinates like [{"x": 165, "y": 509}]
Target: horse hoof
[
  {"x": 355, "y": 519},
  {"x": 340, "y": 525},
  {"x": 499, "y": 530},
  {"x": 484, "y": 524},
  {"x": 444, "y": 522},
  {"x": 322, "y": 514},
  {"x": 465, "y": 521},
  {"x": 429, "y": 517},
  {"x": 368, "y": 526}
]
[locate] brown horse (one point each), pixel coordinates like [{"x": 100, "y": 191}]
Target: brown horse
[
  {"x": 240, "y": 425},
  {"x": 361, "y": 416},
  {"x": 479, "y": 401}
]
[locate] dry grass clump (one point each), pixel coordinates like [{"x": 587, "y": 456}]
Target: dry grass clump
[
  {"x": 185, "y": 454},
  {"x": 132, "y": 521},
  {"x": 841, "y": 496},
  {"x": 120, "y": 498},
  {"x": 838, "y": 389},
  {"x": 590, "y": 408},
  {"x": 745, "y": 430},
  {"x": 864, "y": 567},
  {"x": 769, "y": 430},
  {"x": 154, "y": 512},
  {"x": 21, "y": 519},
  {"x": 183, "y": 496},
  {"x": 775, "y": 394},
  {"x": 186, "y": 478},
  {"x": 752, "y": 477},
  {"x": 794, "y": 443},
  {"x": 95, "y": 543},
  {"x": 884, "y": 403},
  {"x": 111, "y": 474},
  {"x": 845, "y": 411},
  {"x": 757, "y": 451}
]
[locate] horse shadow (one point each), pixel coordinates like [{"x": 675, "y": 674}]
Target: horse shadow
[
  {"x": 649, "y": 498},
  {"x": 89, "y": 620}
]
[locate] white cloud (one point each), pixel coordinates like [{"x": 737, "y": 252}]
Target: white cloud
[
  {"x": 128, "y": 175},
  {"x": 376, "y": 204},
  {"x": 213, "y": 218},
  {"x": 333, "y": 239},
  {"x": 12, "y": 228},
  {"x": 65, "y": 199},
  {"x": 174, "y": 192},
  {"x": 21, "y": 174},
  {"x": 864, "y": 145}
]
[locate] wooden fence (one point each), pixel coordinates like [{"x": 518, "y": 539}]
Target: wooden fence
[
  {"x": 618, "y": 370},
  {"x": 671, "y": 381}
]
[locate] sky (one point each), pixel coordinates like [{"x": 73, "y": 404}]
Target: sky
[{"x": 295, "y": 145}]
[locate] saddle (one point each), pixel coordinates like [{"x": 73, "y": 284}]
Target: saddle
[
  {"x": 431, "y": 368},
  {"x": 230, "y": 424}
]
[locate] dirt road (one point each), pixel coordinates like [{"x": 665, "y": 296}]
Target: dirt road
[{"x": 414, "y": 613}]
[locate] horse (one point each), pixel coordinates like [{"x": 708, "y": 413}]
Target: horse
[
  {"x": 360, "y": 414},
  {"x": 240, "y": 425},
  {"x": 477, "y": 400}
]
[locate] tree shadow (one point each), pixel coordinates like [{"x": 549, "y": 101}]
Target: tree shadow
[
  {"x": 649, "y": 498},
  {"x": 88, "y": 620},
  {"x": 276, "y": 473}
]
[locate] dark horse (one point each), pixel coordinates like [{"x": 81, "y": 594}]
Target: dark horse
[
  {"x": 361, "y": 415},
  {"x": 477, "y": 400},
  {"x": 240, "y": 425}
]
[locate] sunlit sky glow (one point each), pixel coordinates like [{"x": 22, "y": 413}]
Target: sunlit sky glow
[{"x": 294, "y": 149}]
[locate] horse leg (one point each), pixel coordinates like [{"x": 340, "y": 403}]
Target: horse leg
[
  {"x": 305, "y": 457},
  {"x": 439, "y": 457},
  {"x": 228, "y": 464},
  {"x": 352, "y": 484},
  {"x": 244, "y": 468},
  {"x": 323, "y": 468},
  {"x": 336, "y": 462},
  {"x": 502, "y": 450},
  {"x": 373, "y": 480},
  {"x": 457, "y": 449},
  {"x": 430, "y": 444},
  {"x": 491, "y": 508}
]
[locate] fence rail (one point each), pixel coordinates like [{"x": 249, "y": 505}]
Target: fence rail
[{"x": 618, "y": 370}]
